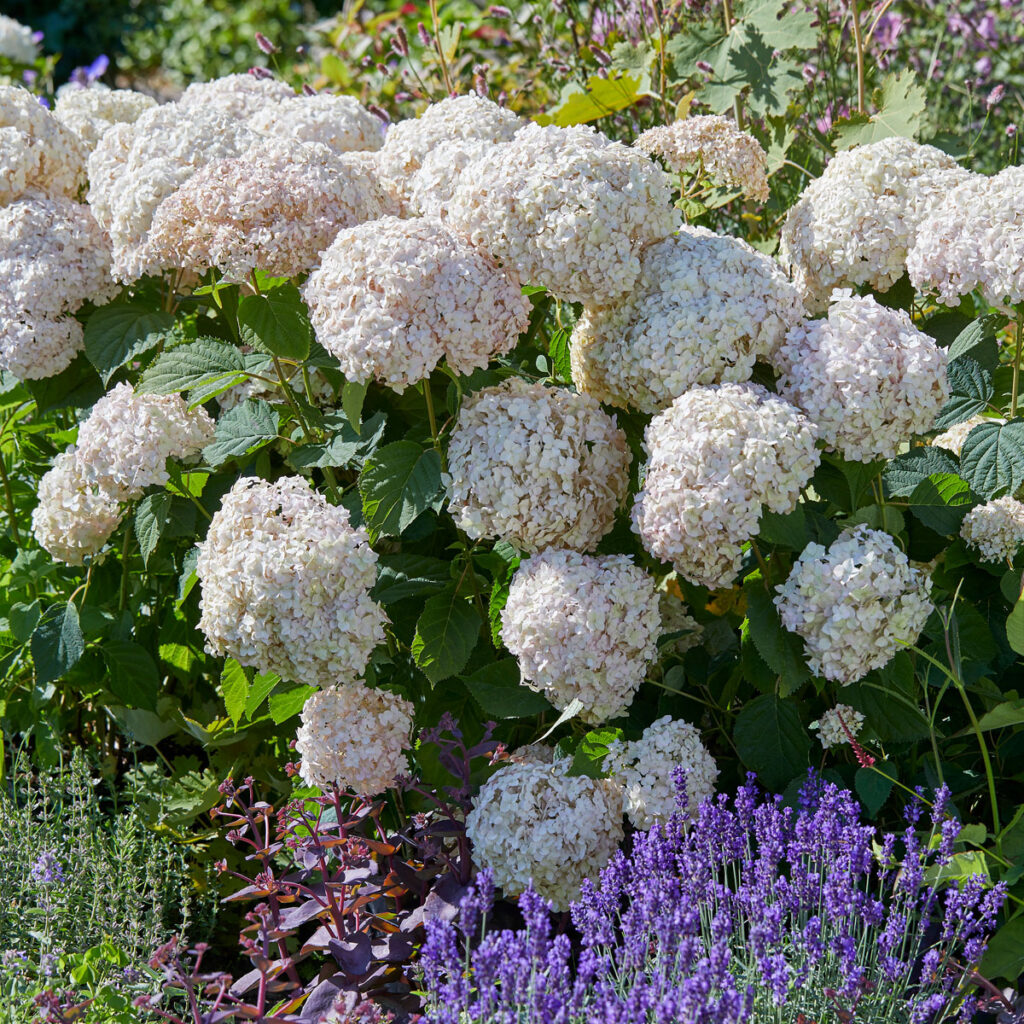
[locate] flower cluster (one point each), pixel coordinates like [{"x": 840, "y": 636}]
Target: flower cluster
[
  {"x": 996, "y": 529},
  {"x": 392, "y": 298},
  {"x": 276, "y": 207},
  {"x": 431, "y": 187},
  {"x": 953, "y": 438},
  {"x": 856, "y": 223},
  {"x": 645, "y": 769},
  {"x": 90, "y": 112},
  {"x": 53, "y": 258},
  {"x": 286, "y": 584},
  {"x": 354, "y": 738},
  {"x": 39, "y": 156},
  {"x": 718, "y": 456},
  {"x": 865, "y": 375},
  {"x": 583, "y": 627},
  {"x": 534, "y": 825},
  {"x": 567, "y": 208},
  {"x": 715, "y": 145},
  {"x": 536, "y": 466},
  {"x": 341, "y": 123},
  {"x": 856, "y": 603},
  {"x": 838, "y": 724},
  {"x": 17, "y": 41},
  {"x": 971, "y": 240},
  {"x": 704, "y": 307},
  {"x": 237, "y": 96}
]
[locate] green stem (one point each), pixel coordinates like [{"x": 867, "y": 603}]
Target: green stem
[
  {"x": 9, "y": 499},
  {"x": 859, "y": 43},
  {"x": 737, "y": 106},
  {"x": 123, "y": 599},
  {"x": 1015, "y": 392}
]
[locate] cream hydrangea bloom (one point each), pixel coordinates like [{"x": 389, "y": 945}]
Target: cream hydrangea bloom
[
  {"x": 17, "y": 41},
  {"x": 90, "y": 112},
  {"x": 719, "y": 456},
  {"x": 703, "y": 309},
  {"x": 830, "y": 725},
  {"x": 276, "y": 207},
  {"x": 644, "y": 769},
  {"x": 972, "y": 238},
  {"x": 35, "y": 347},
  {"x": 431, "y": 187},
  {"x": 567, "y": 208},
  {"x": 39, "y": 156},
  {"x": 953, "y": 439},
  {"x": 74, "y": 518},
  {"x": 995, "y": 529},
  {"x": 341, "y": 123},
  {"x": 354, "y": 738},
  {"x": 865, "y": 375},
  {"x": 127, "y": 439},
  {"x": 729, "y": 155},
  {"x": 532, "y": 823},
  {"x": 583, "y": 627},
  {"x": 238, "y": 96},
  {"x": 536, "y": 466},
  {"x": 856, "y": 223},
  {"x": 392, "y": 298},
  {"x": 856, "y": 603},
  {"x": 286, "y": 584}
]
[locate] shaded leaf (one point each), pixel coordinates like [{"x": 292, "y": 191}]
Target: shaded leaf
[
  {"x": 903, "y": 473},
  {"x": 941, "y": 501},
  {"x": 276, "y": 322},
  {"x": 241, "y": 430},
  {"x": 899, "y": 105},
  {"x": 496, "y": 688},
  {"x": 970, "y": 391},
  {"x": 771, "y": 740},
  {"x": 57, "y": 642},
  {"x": 446, "y": 633},
  {"x": 398, "y": 482},
  {"x": 118, "y": 333},
  {"x": 992, "y": 458},
  {"x": 150, "y": 520}
]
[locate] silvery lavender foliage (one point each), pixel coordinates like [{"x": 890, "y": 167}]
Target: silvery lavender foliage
[{"x": 754, "y": 912}]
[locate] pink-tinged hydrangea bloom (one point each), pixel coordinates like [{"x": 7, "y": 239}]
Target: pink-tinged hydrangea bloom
[
  {"x": 856, "y": 603},
  {"x": 392, "y": 298},
  {"x": 865, "y": 375},
  {"x": 537, "y": 466},
  {"x": 953, "y": 439},
  {"x": 719, "y": 456},
  {"x": 583, "y": 627},
  {"x": 567, "y": 208},
  {"x": 703, "y": 309},
  {"x": 286, "y": 584},
  {"x": 532, "y": 823},
  {"x": 996, "y": 529},
  {"x": 353, "y": 737}
]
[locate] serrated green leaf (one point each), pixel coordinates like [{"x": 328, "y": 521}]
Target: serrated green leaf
[
  {"x": 782, "y": 651},
  {"x": 970, "y": 391},
  {"x": 57, "y": 642},
  {"x": 599, "y": 98},
  {"x": 589, "y": 756},
  {"x": 150, "y": 520},
  {"x": 188, "y": 578},
  {"x": 1009, "y": 712},
  {"x": 345, "y": 448},
  {"x": 878, "y": 517},
  {"x": 242, "y": 430},
  {"x": 116, "y": 334},
  {"x": 132, "y": 674},
  {"x": 401, "y": 576},
  {"x": 873, "y": 787},
  {"x": 446, "y": 633},
  {"x": 1015, "y": 627},
  {"x": 201, "y": 364},
  {"x": 978, "y": 341},
  {"x": 899, "y": 105},
  {"x": 283, "y": 706},
  {"x": 353, "y": 395},
  {"x": 260, "y": 687},
  {"x": 276, "y": 322},
  {"x": 496, "y": 688},
  {"x": 398, "y": 483},
  {"x": 992, "y": 458},
  {"x": 558, "y": 350},
  {"x": 234, "y": 688},
  {"x": 771, "y": 740},
  {"x": 903, "y": 473},
  {"x": 941, "y": 501}
]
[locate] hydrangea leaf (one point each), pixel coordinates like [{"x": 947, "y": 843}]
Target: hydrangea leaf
[
  {"x": 978, "y": 341},
  {"x": 118, "y": 333},
  {"x": 241, "y": 430},
  {"x": 782, "y": 651},
  {"x": 970, "y": 391},
  {"x": 206, "y": 364},
  {"x": 57, "y": 642},
  {"x": 600, "y": 97},
  {"x": 150, "y": 520},
  {"x": 496, "y": 688},
  {"x": 899, "y": 105},
  {"x": 590, "y": 753},
  {"x": 345, "y": 448},
  {"x": 992, "y": 458},
  {"x": 276, "y": 322},
  {"x": 1004, "y": 957},
  {"x": 234, "y": 688},
  {"x": 288, "y": 703},
  {"x": 906, "y": 471},
  {"x": 398, "y": 483},
  {"x": 941, "y": 501},
  {"x": 446, "y": 633},
  {"x": 406, "y": 575},
  {"x": 873, "y": 787},
  {"x": 132, "y": 674},
  {"x": 772, "y": 740},
  {"x": 1015, "y": 627}
]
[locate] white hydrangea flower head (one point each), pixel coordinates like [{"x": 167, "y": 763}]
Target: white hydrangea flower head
[
  {"x": 90, "y": 112},
  {"x": 453, "y": 120},
  {"x": 856, "y": 603},
  {"x": 533, "y": 753},
  {"x": 953, "y": 439},
  {"x": 392, "y": 298},
  {"x": 865, "y": 375},
  {"x": 17, "y": 42},
  {"x": 537, "y": 466},
  {"x": 275, "y": 207},
  {"x": 127, "y": 439},
  {"x": 532, "y": 823},
  {"x": 238, "y": 96},
  {"x": 996, "y": 529},
  {"x": 830, "y": 725},
  {"x": 718, "y": 457},
  {"x": 971, "y": 239},
  {"x": 286, "y": 584},
  {"x": 136, "y": 166},
  {"x": 74, "y": 518},
  {"x": 39, "y": 156},
  {"x": 704, "y": 307},
  {"x": 856, "y": 223},
  {"x": 676, "y": 618},
  {"x": 729, "y": 155},
  {"x": 567, "y": 208},
  {"x": 354, "y": 738},
  {"x": 644, "y": 769},
  {"x": 431, "y": 187},
  {"x": 341, "y": 123},
  {"x": 35, "y": 347},
  {"x": 583, "y": 627}
]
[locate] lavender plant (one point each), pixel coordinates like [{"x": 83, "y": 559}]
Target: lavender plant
[{"x": 752, "y": 911}]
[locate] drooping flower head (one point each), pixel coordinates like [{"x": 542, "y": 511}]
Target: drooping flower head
[
  {"x": 704, "y": 307},
  {"x": 567, "y": 208},
  {"x": 718, "y": 457},
  {"x": 392, "y": 298},
  {"x": 995, "y": 529},
  {"x": 286, "y": 584},
  {"x": 537, "y": 466},
  {"x": 856, "y": 603},
  {"x": 583, "y": 627}
]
